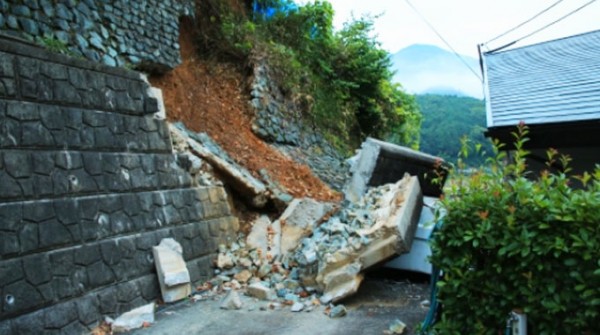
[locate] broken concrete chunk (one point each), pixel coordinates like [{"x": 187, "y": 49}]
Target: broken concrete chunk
[
  {"x": 361, "y": 171},
  {"x": 225, "y": 261},
  {"x": 380, "y": 163},
  {"x": 134, "y": 319},
  {"x": 233, "y": 174},
  {"x": 173, "y": 275},
  {"x": 258, "y": 290},
  {"x": 397, "y": 327},
  {"x": 266, "y": 237},
  {"x": 338, "y": 311},
  {"x": 277, "y": 193},
  {"x": 297, "y": 307},
  {"x": 231, "y": 301},
  {"x": 342, "y": 282},
  {"x": 299, "y": 220},
  {"x": 243, "y": 276}
]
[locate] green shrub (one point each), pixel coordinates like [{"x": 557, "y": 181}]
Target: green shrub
[{"x": 511, "y": 240}]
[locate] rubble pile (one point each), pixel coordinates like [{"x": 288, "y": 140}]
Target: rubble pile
[
  {"x": 298, "y": 261},
  {"x": 312, "y": 255}
]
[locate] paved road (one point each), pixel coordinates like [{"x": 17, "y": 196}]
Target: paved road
[{"x": 377, "y": 304}]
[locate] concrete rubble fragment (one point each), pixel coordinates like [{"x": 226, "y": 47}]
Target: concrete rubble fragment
[
  {"x": 338, "y": 311},
  {"x": 265, "y": 238},
  {"x": 173, "y": 275},
  {"x": 297, "y": 307},
  {"x": 136, "y": 318},
  {"x": 231, "y": 301},
  {"x": 379, "y": 163},
  {"x": 234, "y": 175},
  {"x": 299, "y": 220},
  {"x": 202, "y": 172},
  {"x": 243, "y": 276},
  {"x": 260, "y": 291},
  {"x": 279, "y": 195},
  {"x": 397, "y": 327}
]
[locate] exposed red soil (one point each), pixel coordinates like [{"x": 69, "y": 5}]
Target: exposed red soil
[{"x": 209, "y": 96}]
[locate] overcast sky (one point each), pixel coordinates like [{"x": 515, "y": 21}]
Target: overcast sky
[{"x": 466, "y": 23}]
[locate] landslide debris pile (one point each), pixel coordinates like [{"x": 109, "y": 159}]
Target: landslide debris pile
[{"x": 315, "y": 252}]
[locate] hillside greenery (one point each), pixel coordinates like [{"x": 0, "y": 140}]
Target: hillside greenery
[
  {"x": 448, "y": 119},
  {"x": 345, "y": 74}
]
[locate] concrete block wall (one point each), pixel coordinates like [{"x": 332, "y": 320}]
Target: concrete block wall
[
  {"x": 88, "y": 184},
  {"x": 144, "y": 33}
]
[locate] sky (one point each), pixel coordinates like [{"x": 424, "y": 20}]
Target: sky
[{"x": 467, "y": 23}]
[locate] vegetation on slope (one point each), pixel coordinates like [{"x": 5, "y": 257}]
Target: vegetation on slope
[
  {"x": 345, "y": 75},
  {"x": 447, "y": 120}
]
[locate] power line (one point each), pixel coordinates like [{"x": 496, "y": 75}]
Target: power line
[
  {"x": 548, "y": 25},
  {"x": 524, "y": 23},
  {"x": 444, "y": 40},
  {"x": 556, "y": 21}
]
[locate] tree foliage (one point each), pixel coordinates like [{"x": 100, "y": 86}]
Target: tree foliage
[
  {"x": 346, "y": 73},
  {"x": 447, "y": 119},
  {"x": 511, "y": 240}
]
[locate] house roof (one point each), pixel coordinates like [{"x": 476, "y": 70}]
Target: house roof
[{"x": 554, "y": 82}]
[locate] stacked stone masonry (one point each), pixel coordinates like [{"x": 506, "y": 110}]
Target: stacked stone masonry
[
  {"x": 144, "y": 33},
  {"x": 88, "y": 184}
]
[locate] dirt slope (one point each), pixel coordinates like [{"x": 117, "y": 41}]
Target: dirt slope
[{"x": 211, "y": 97}]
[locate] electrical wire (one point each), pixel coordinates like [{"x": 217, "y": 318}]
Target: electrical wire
[
  {"x": 524, "y": 23},
  {"x": 546, "y": 26},
  {"x": 444, "y": 40},
  {"x": 556, "y": 21}
]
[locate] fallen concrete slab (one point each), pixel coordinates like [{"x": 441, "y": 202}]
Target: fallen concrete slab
[
  {"x": 173, "y": 275},
  {"x": 380, "y": 163},
  {"x": 417, "y": 260},
  {"x": 382, "y": 224},
  {"x": 265, "y": 238},
  {"x": 136, "y": 318},
  {"x": 232, "y": 174}
]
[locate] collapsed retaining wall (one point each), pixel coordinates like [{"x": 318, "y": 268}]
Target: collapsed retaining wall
[
  {"x": 144, "y": 33},
  {"x": 88, "y": 184}
]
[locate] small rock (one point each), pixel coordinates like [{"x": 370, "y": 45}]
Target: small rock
[
  {"x": 297, "y": 307},
  {"x": 264, "y": 270},
  {"x": 325, "y": 299},
  {"x": 281, "y": 292},
  {"x": 245, "y": 262},
  {"x": 224, "y": 261},
  {"x": 291, "y": 297},
  {"x": 243, "y": 276},
  {"x": 338, "y": 311},
  {"x": 260, "y": 291},
  {"x": 397, "y": 327},
  {"x": 425, "y": 304},
  {"x": 231, "y": 301},
  {"x": 134, "y": 319}
]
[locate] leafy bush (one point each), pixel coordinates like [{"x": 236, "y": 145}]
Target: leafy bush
[{"x": 511, "y": 240}]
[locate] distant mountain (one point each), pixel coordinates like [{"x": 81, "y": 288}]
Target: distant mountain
[
  {"x": 429, "y": 69},
  {"x": 446, "y": 119}
]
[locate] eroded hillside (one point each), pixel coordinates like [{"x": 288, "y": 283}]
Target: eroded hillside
[{"x": 212, "y": 97}]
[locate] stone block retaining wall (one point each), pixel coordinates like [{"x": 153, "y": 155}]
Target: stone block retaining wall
[
  {"x": 88, "y": 184},
  {"x": 144, "y": 33}
]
